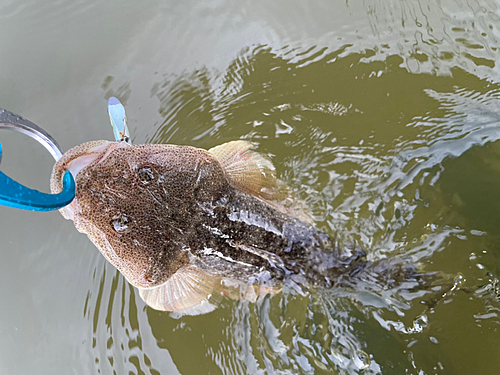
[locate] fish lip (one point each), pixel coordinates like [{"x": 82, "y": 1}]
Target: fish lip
[
  {"x": 95, "y": 157},
  {"x": 107, "y": 151},
  {"x": 77, "y": 159}
]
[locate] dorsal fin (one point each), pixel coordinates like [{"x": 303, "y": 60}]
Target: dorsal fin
[
  {"x": 252, "y": 173},
  {"x": 189, "y": 291}
]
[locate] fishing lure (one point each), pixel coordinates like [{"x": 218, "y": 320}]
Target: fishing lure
[{"x": 16, "y": 195}]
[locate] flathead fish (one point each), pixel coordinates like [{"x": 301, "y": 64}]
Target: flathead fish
[{"x": 187, "y": 226}]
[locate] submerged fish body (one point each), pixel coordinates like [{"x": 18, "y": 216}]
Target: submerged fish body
[{"x": 186, "y": 225}]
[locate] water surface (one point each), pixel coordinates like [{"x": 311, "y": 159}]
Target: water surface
[{"x": 382, "y": 115}]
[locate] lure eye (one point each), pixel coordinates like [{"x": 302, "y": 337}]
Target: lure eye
[
  {"x": 120, "y": 223},
  {"x": 146, "y": 174}
]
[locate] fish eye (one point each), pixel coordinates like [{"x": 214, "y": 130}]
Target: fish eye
[
  {"x": 146, "y": 174},
  {"x": 149, "y": 279},
  {"x": 120, "y": 223}
]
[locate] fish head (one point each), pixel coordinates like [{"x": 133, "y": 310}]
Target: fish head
[{"x": 136, "y": 203}]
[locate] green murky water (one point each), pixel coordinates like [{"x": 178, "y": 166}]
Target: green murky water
[{"x": 383, "y": 116}]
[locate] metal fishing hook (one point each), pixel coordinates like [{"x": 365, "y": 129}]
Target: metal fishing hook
[{"x": 12, "y": 193}]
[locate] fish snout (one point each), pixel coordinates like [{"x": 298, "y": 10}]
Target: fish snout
[{"x": 74, "y": 161}]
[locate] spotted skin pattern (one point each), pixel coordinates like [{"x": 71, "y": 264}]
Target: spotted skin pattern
[{"x": 160, "y": 212}]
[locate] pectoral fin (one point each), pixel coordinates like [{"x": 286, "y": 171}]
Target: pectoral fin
[
  {"x": 254, "y": 174},
  {"x": 249, "y": 171},
  {"x": 189, "y": 291}
]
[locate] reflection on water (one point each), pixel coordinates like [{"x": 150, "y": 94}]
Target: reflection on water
[
  {"x": 118, "y": 328},
  {"x": 382, "y": 116},
  {"x": 371, "y": 172}
]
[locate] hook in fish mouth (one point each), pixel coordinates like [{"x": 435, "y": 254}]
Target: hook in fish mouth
[
  {"x": 81, "y": 156},
  {"x": 63, "y": 187},
  {"x": 75, "y": 160}
]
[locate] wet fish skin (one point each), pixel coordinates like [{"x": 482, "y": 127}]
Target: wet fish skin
[
  {"x": 247, "y": 226},
  {"x": 178, "y": 222},
  {"x": 149, "y": 246}
]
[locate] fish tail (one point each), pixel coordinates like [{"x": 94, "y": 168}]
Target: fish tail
[{"x": 399, "y": 274}]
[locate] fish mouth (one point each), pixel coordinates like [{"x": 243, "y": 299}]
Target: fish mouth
[{"x": 75, "y": 160}]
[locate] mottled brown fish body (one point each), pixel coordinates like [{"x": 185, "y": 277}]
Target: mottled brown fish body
[
  {"x": 180, "y": 223},
  {"x": 135, "y": 204}
]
